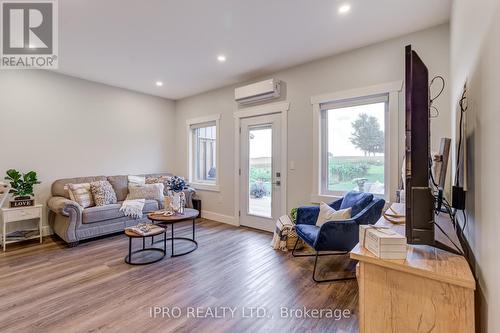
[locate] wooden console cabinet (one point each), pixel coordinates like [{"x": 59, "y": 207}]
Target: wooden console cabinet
[{"x": 431, "y": 291}]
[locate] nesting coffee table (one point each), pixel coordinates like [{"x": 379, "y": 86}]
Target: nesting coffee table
[
  {"x": 162, "y": 220},
  {"x": 132, "y": 235}
]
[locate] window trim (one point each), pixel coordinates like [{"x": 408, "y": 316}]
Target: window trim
[
  {"x": 392, "y": 135},
  {"x": 200, "y": 185}
]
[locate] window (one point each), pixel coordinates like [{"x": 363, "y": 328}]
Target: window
[
  {"x": 203, "y": 140},
  {"x": 353, "y": 145}
]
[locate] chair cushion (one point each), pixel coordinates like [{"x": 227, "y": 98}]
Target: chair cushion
[
  {"x": 307, "y": 232},
  {"x": 357, "y": 201},
  {"x": 109, "y": 212},
  {"x": 120, "y": 185}
]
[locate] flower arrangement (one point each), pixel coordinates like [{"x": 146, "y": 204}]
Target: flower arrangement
[{"x": 176, "y": 184}]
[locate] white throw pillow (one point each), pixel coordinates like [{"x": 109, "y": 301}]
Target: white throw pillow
[
  {"x": 147, "y": 191},
  {"x": 136, "y": 180},
  {"x": 327, "y": 213}
]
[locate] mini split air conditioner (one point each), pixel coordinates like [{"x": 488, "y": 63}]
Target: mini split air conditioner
[{"x": 257, "y": 92}]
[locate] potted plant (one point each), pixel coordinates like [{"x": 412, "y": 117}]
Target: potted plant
[{"x": 21, "y": 187}]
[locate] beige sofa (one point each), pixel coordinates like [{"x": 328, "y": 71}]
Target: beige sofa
[{"x": 73, "y": 223}]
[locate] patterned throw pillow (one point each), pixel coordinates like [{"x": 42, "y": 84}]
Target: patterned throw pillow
[
  {"x": 103, "y": 193},
  {"x": 147, "y": 191},
  {"x": 156, "y": 180},
  {"x": 80, "y": 193},
  {"x": 159, "y": 180}
]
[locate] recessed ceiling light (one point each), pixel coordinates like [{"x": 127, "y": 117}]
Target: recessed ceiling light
[
  {"x": 159, "y": 83},
  {"x": 344, "y": 9},
  {"x": 221, "y": 58}
]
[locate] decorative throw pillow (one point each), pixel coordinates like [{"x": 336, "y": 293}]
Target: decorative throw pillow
[
  {"x": 156, "y": 180},
  {"x": 80, "y": 193},
  {"x": 103, "y": 193},
  {"x": 327, "y": 213},
  {"x": 147, "y": 191},
  {"x": 160, "y": 179},
  {"x": 136, "y": 180}
]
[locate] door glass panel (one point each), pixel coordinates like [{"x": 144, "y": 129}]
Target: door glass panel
[{"x": 260, "y": 171}]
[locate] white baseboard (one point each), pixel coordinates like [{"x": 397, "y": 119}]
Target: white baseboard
[{"x": 219, "y": 217}]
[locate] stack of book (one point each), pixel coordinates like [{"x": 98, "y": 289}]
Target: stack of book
[
  {"x": 22, "y": 235},
  {"x": 383, "y": 242}
]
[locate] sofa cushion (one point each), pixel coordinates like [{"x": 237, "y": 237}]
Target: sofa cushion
[
  {"x": 357, "y": 200},
  {"x": 58, "y": 187},
  {"x": 102, "y": 213},
  {"x": 109, "y": 212},
  {"x": 120, "y": 185},
  {"x": 307, "y": 232},
  {"x": 150, "y": 206}
]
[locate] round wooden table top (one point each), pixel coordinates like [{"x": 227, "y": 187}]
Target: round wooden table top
[
  {"x": 189, "y": 214},
  {"x": 155, "y": 231}
]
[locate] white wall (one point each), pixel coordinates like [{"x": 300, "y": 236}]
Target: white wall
[
  {"x": 66, "y": 127},
  {"x": 375, "y": 64},
  {"x": 475, "y": 55}
]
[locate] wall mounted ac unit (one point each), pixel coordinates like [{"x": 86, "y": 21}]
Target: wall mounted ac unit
[{"x": 257, "y": 92}]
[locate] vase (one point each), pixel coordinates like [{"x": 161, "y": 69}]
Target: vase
[{"x": 177, "y": 202}]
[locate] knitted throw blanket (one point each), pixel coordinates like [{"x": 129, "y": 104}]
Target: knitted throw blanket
[
  {"x": 133, "y": 208},
  {"x": 283, "y": 226}
]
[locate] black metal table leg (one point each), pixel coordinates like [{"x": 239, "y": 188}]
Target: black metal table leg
[
  {"x": 128, "y": 259},
  {"x": 172, "y": 239},
  {"x": 165, "y": 242},
  {"x": 130, "y": 249}
]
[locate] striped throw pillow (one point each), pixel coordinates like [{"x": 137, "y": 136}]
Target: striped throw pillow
[{"x": 80, "y": 193}]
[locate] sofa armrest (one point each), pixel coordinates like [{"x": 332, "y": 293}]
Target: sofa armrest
[
  {"x": 63, "y": 206},
  {"x": 65, "y": 216},
  {"x": 337, "y": 236}
]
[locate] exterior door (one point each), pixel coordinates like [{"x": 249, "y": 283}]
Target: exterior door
[{"x": 260, "y": 174}]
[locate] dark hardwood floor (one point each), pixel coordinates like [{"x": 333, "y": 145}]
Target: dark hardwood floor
[{"x": 89, "y": 288}]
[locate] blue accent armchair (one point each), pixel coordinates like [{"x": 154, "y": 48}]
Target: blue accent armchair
[{"x": 338, "y": 236}]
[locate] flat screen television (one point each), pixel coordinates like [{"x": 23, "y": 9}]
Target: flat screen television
[{"x": 420, "y": 202}]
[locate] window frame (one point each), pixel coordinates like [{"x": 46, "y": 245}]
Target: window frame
[
  {"x": 192, "y": 125},
  {"x": 324, "y": 108},
  {"x": 394, "y": 136}
]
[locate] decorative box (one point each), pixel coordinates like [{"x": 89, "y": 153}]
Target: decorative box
[{"x": 383, "y": 242}]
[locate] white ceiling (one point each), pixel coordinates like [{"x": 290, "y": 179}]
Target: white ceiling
[{"x": 132, "y": 43}]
